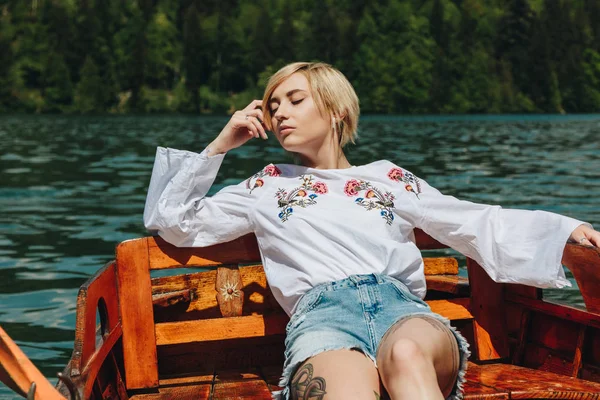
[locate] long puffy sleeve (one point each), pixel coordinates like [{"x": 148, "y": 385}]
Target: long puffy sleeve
[
  {"x": 512, "y": 246},
  {"x": 176, "y": 206}
]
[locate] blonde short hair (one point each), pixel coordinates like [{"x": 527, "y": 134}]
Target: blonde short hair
[{"x": 332, "y": 93}]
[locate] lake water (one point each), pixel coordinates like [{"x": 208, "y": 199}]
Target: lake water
[{"x": 73, "y": 187}]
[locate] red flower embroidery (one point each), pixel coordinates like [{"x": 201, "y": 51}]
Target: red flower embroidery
[
  {"x": 395, "y": 174},
  {"x": 319, "y": 187},
  {"x": 259, "y": 182},
  {"x": 351, "y": 187},
  {"x": 272, "y": 170}
]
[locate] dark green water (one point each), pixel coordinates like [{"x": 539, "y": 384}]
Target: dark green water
[{"x": 73, "y": 187}]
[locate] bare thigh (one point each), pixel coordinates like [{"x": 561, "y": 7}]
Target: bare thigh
[
  {"x": 434, "y": 338},
  {"x": 336, "y": 374}
]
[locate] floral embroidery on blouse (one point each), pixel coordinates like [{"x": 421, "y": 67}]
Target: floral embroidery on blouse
[
  {"x": 299, "y": 196},
  {"x": 373, "y": 198},
  {"x": 411, "y": 182},
  {"x": 256, "y": 181}
]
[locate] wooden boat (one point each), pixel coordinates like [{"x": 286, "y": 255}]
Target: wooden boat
[{"x": 219, "y": 334}]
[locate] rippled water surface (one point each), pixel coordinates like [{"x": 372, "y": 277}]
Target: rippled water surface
[{"x": 73, "y": 187}]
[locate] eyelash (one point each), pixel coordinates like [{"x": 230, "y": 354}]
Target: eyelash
[{"x": 293, "y": 102}]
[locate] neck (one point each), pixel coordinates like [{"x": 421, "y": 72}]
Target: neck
[{"x": 329, "y": 156}]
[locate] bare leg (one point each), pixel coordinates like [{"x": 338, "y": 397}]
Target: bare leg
[
  {"x": 418, "y": 358},
  {"x": 336, "y": 374}
]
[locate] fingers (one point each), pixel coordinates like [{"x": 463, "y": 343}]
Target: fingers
[{"x": 253, "y": 105}]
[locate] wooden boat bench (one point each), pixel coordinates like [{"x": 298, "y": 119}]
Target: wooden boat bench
[{"x": 219, "y": 333}]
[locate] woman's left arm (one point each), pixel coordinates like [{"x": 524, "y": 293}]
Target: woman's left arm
[
  {"x": 512, "y": 246},
  {"x": 586, "y": 236}
]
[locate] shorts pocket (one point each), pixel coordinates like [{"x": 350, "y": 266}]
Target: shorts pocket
[
  {"x": 310, "y": 300},
  {"x": 404, "y": 292}
]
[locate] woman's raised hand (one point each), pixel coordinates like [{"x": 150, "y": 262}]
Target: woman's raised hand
[
  {"x": 586, "y": 236},
  {"x": 242, "y": 126}
]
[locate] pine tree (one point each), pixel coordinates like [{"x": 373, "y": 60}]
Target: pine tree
[{"x": 90, "y": 92}]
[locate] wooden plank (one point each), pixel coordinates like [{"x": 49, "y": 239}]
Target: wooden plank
[
  {"x": 101, "y": 288},
  {"x": 206, "y": 357},
  {"x": 97, "y": 360},
  {"x": 558, "y": 310},
  {"x": 220, "y": 328},
  {"x": 230, "y": 385},
  {"x": 525, "y": 383},
  {"x": 164, "y": 255},
  {"x": 440, "y": 266},
  {"x": 164, "y": 300},
  {"x": 168, "y": 333},
  {"x": 487, "y": 303},
  {"x": 230, "y": 295},
  {"x": 135, "y": 303},
  {"x": 453, "y": 284},
  {"x": 584, "y": 263}
]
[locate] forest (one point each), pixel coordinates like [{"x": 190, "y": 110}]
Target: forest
[{"x": 215, "y": 56}]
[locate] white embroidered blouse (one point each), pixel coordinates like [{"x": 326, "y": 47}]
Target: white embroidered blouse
[{"x": 321, "y": 225}]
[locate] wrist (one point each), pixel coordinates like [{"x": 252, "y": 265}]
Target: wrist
[{"x": 214, "y": 148}]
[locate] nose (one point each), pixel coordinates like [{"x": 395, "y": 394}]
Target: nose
[{"x": 281, "y": 113}]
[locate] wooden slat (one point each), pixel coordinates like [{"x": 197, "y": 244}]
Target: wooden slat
[
  {"x": 230, "y": 385},
  {"x": 164, "y": 255},
  {"x": 258, "y": 325},
  {"x": 135, "y": 303},
  {"x": 557, "y": 310},
  {"x": 525, "y": 383},
  {"x": 97, "y": 360},
  {"x": 102, "y": 285},
  {"x": 584, "y": 263},
  {"x": 454, "y": 284},
  {"x": 487, "y": 304},
  {"x": 440, "y": 266},
  {"x": 220, "y": 328},
  {"x": 230, "y": 295}
]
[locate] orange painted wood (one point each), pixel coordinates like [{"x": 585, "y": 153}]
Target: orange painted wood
[
  {"x": 135, "y": 303},
  {"x": 220, "y": 328},
  {"x": 168, "y": 333},
  {"x": 230, "y": 385},
  {"x": 164, "y": 255},
  {"x": 440, "y": 266},
  {"x": 91, "y": 369},
  {"x": 584, "y": 263},
  {"x": 525, "y": 383},
  {"x": 230, "y": 295},
  {"x": 475, "y": 391},
  {"x": 164, "y": 300},
  {"x": 102, "y": 287},
  {"x": 578, "y": 359},
  {"x": 18, "y": 372},
  {"x": 487, "y": 305},
  {"x": 454, "y": 284}
]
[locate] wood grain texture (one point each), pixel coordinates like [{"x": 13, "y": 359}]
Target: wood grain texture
[
  {"x": 525, "y": 383},
  {"x": 487, "y": 305},
  {"x": 453, "y": 284},
  {"x": 100, "y": 288},
  {"x": 220, "y": 329},
  {"x": 584, "y": 263},
  {"x": 135, "y": 303},
  {"x": 230, "y": 295}
]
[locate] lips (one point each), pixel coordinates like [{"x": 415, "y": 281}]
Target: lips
[{"x": 284, "y": 129}]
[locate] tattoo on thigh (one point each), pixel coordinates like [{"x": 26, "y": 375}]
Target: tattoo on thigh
[
  {"x": 377, "y": 396},
  {"x": 305, "y": 387}
]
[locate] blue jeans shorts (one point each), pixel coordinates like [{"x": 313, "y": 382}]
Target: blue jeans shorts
[{"x": 354, "y": 313}]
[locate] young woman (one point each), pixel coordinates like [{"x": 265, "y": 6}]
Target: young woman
[{"x": 337, "y": 242}]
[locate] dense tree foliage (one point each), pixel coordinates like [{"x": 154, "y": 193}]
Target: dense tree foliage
[{"x": 213, "y": 56}]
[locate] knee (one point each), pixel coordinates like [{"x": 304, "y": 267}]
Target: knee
[{"x": 404, "y": 356}]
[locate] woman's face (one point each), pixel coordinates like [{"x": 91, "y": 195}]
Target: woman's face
[{"x": 296, "y": 120}]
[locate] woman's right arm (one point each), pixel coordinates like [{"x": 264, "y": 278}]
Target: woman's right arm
[{"x": 176, "y": 206}]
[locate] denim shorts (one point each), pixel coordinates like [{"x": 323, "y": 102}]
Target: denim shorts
[{"x": 354, "y": 313}]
